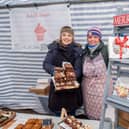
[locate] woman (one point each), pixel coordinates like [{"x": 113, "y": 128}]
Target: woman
[
  {"x": 95, "y": 62},
  {"x": 64, "y": 50}
]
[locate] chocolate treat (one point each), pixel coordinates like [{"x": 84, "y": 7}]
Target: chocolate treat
[
  {"x": 38, "y": 121},
  {"x": 58, "y": 69},
  {"x": 30, "y": 121},
  {"x": 19, "y": 126},
  {"x": 37, "y": 126},
  {"x": 28, "y": 126},
  {"x": 73, "y": 122},
  {"x": 70, "y": 76},
  {"x": 68, "y": 66},
  {"x": 64, "y": 78},
  {"x": 60, "y": 76}
]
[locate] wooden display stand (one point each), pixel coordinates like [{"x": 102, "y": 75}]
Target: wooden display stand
[
  {"x": 120, "y": 104},
  {"x": 118, "y": 68},
  {"x": 123, "y": 119},
  {"x": 6, "y": 118}
]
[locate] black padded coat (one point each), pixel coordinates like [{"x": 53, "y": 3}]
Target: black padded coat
[{"x": 69, "y": 99}]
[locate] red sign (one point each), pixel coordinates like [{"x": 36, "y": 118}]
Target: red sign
[{"x": 121, "y": 20}]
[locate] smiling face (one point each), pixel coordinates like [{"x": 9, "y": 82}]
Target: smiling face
[
  {"x": 93, "y": 39},
  {"x": 66, "y": 38},
  {"x": 94, "y": 36}
]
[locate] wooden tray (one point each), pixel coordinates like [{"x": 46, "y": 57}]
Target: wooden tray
[
  {"x": 76, "y": 85},
  {"x": 30, "y": 123},
  {"x": 40, "y": 91},
  {"x": 6, "y": 116},
  {"x": 63, "y": 125}
]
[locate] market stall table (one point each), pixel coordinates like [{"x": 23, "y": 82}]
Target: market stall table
[{"x": 22, "y": 118}]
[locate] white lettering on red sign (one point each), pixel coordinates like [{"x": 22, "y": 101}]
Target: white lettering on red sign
[{"x": 121, "y": 20}]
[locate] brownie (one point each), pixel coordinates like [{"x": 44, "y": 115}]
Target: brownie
[{"x": 58, "y": 69}]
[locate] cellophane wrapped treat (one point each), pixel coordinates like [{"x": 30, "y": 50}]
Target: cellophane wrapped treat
[
  {"x": 65, "y": 77},
  {"x": 70, "y": 122}
]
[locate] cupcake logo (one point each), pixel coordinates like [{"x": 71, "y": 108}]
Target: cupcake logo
[{"x": 40, "y": 32}]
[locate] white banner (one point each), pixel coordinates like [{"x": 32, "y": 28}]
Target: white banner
[{"x": 33, "y": 28}]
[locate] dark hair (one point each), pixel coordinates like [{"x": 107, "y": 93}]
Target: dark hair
[{"x": 66, "y": 29}]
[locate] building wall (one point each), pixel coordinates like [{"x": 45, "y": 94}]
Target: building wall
[{"x": 20, "y": 70}]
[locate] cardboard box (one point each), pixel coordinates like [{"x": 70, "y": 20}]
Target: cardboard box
[
  {"x": 123, "y": 119},
  {"x": 40, "y": 91}
]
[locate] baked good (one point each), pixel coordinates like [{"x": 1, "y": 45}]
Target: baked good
[
  {"x": 6, "y": 116},
  {"x": 30, "y": 121},
  {"x": 38, "y": 121},
  {"x": 28, "y": 126},
  {"x": 65, "y": 77},
  {"x": 37, "y": 126},
  {"x": 73, "y": 123},
  {"x": 122, "y": 91},
  {"x": 58, "y": 69},
  {"x": 19, "y": 126},
  {"x": 68, "y": 67},
  {"x": 59, "y": 76},
  {"x": 70, "y": 76},
  {"x": 34, "y": 124}
]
